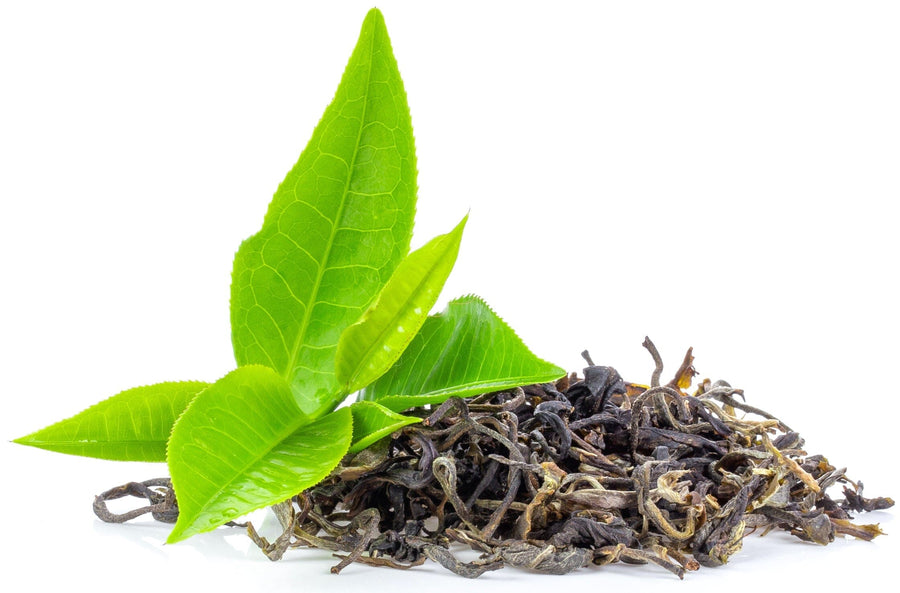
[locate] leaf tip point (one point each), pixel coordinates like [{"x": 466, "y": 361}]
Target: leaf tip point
[
  {"x": 374, "y": 16},
  {"x": 26, "y": 440},
  {"x": 175, "y": 536}
]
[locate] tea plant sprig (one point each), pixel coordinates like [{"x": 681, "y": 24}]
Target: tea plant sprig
[{"x": 326, "y": 300}]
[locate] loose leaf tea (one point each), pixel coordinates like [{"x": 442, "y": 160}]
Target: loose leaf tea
[
  {"x": 553, "y": 477},
  {"x": 587, "y": 470}
]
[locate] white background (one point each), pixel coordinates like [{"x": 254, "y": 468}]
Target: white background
[{"x": 717, "y": 175}]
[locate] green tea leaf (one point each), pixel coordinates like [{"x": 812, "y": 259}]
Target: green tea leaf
[
  {"x": 466, "y": 350},
  {"x": 244, "y": 444},
  {"x": 335, "y": 230},
  {"x": 370, "y": 346},
  {"x": 133, "y": 425},
  {"x": 372, "y": 421}
]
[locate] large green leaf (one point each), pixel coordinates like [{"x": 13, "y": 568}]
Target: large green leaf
[
  {"x": 335, "y": 230},
  {"x": 133, "y": 425},
  {"x": 370, "y": 346},
  {"x": 465, "y": 350},
  {"x": 244, "y": 444},
  {"x": 372, "y": 421}
]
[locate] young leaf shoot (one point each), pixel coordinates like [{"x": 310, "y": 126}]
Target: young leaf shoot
[
  {"x": 326, "y": 300},
  {"x": 370, "y": 346}
]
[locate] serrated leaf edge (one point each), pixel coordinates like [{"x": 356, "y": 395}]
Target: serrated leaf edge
[{"x": 24, "y": 440}]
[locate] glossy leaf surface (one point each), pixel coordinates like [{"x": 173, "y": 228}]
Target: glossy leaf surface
[
  {"x": 133, "y": 425},
  {"x": 370, "y": 346},
  {"x": 244, "y": 444},
  {"x": 336, "y": 229},
  {"x": 466, "y": 350},
  {"x": 372, "y": 421}
]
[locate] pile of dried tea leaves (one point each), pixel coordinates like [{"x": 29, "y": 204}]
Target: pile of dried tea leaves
[{"x": 554, "y": 477}]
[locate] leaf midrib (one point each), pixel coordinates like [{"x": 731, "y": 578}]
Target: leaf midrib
[
  {"x": 282, "y": 436},
  {"x": 313, "y": 298},
  {"x": 394, "y": 323},
  {"x": 525, "y": 380},
  {"x": 94, "y": 442}
]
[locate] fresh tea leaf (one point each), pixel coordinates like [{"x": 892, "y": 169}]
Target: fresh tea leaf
[
  {"x": 335, "y": 230},
  {"x": 466, "y": 350},
  {"x": 372, "y": 421},
  {"x": 133, "y": 425},
  {"x": 370, "y": 346},
  {"x": 244, "y": 444}
]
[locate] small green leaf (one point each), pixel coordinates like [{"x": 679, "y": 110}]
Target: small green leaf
[
  {"x": 369, "y": 347},
  {"x": 372, "y": 422},
  {"x": 466, "y": 350},
  {"x": 244, "y": 444},
  {"x": 133, "y": 425},
  {"x": 336, "y": 229}
]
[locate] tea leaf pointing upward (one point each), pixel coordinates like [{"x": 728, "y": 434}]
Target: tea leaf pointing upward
[
  {"x": 336, "y": 229},
  {"x": 370, "y": 346}
]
